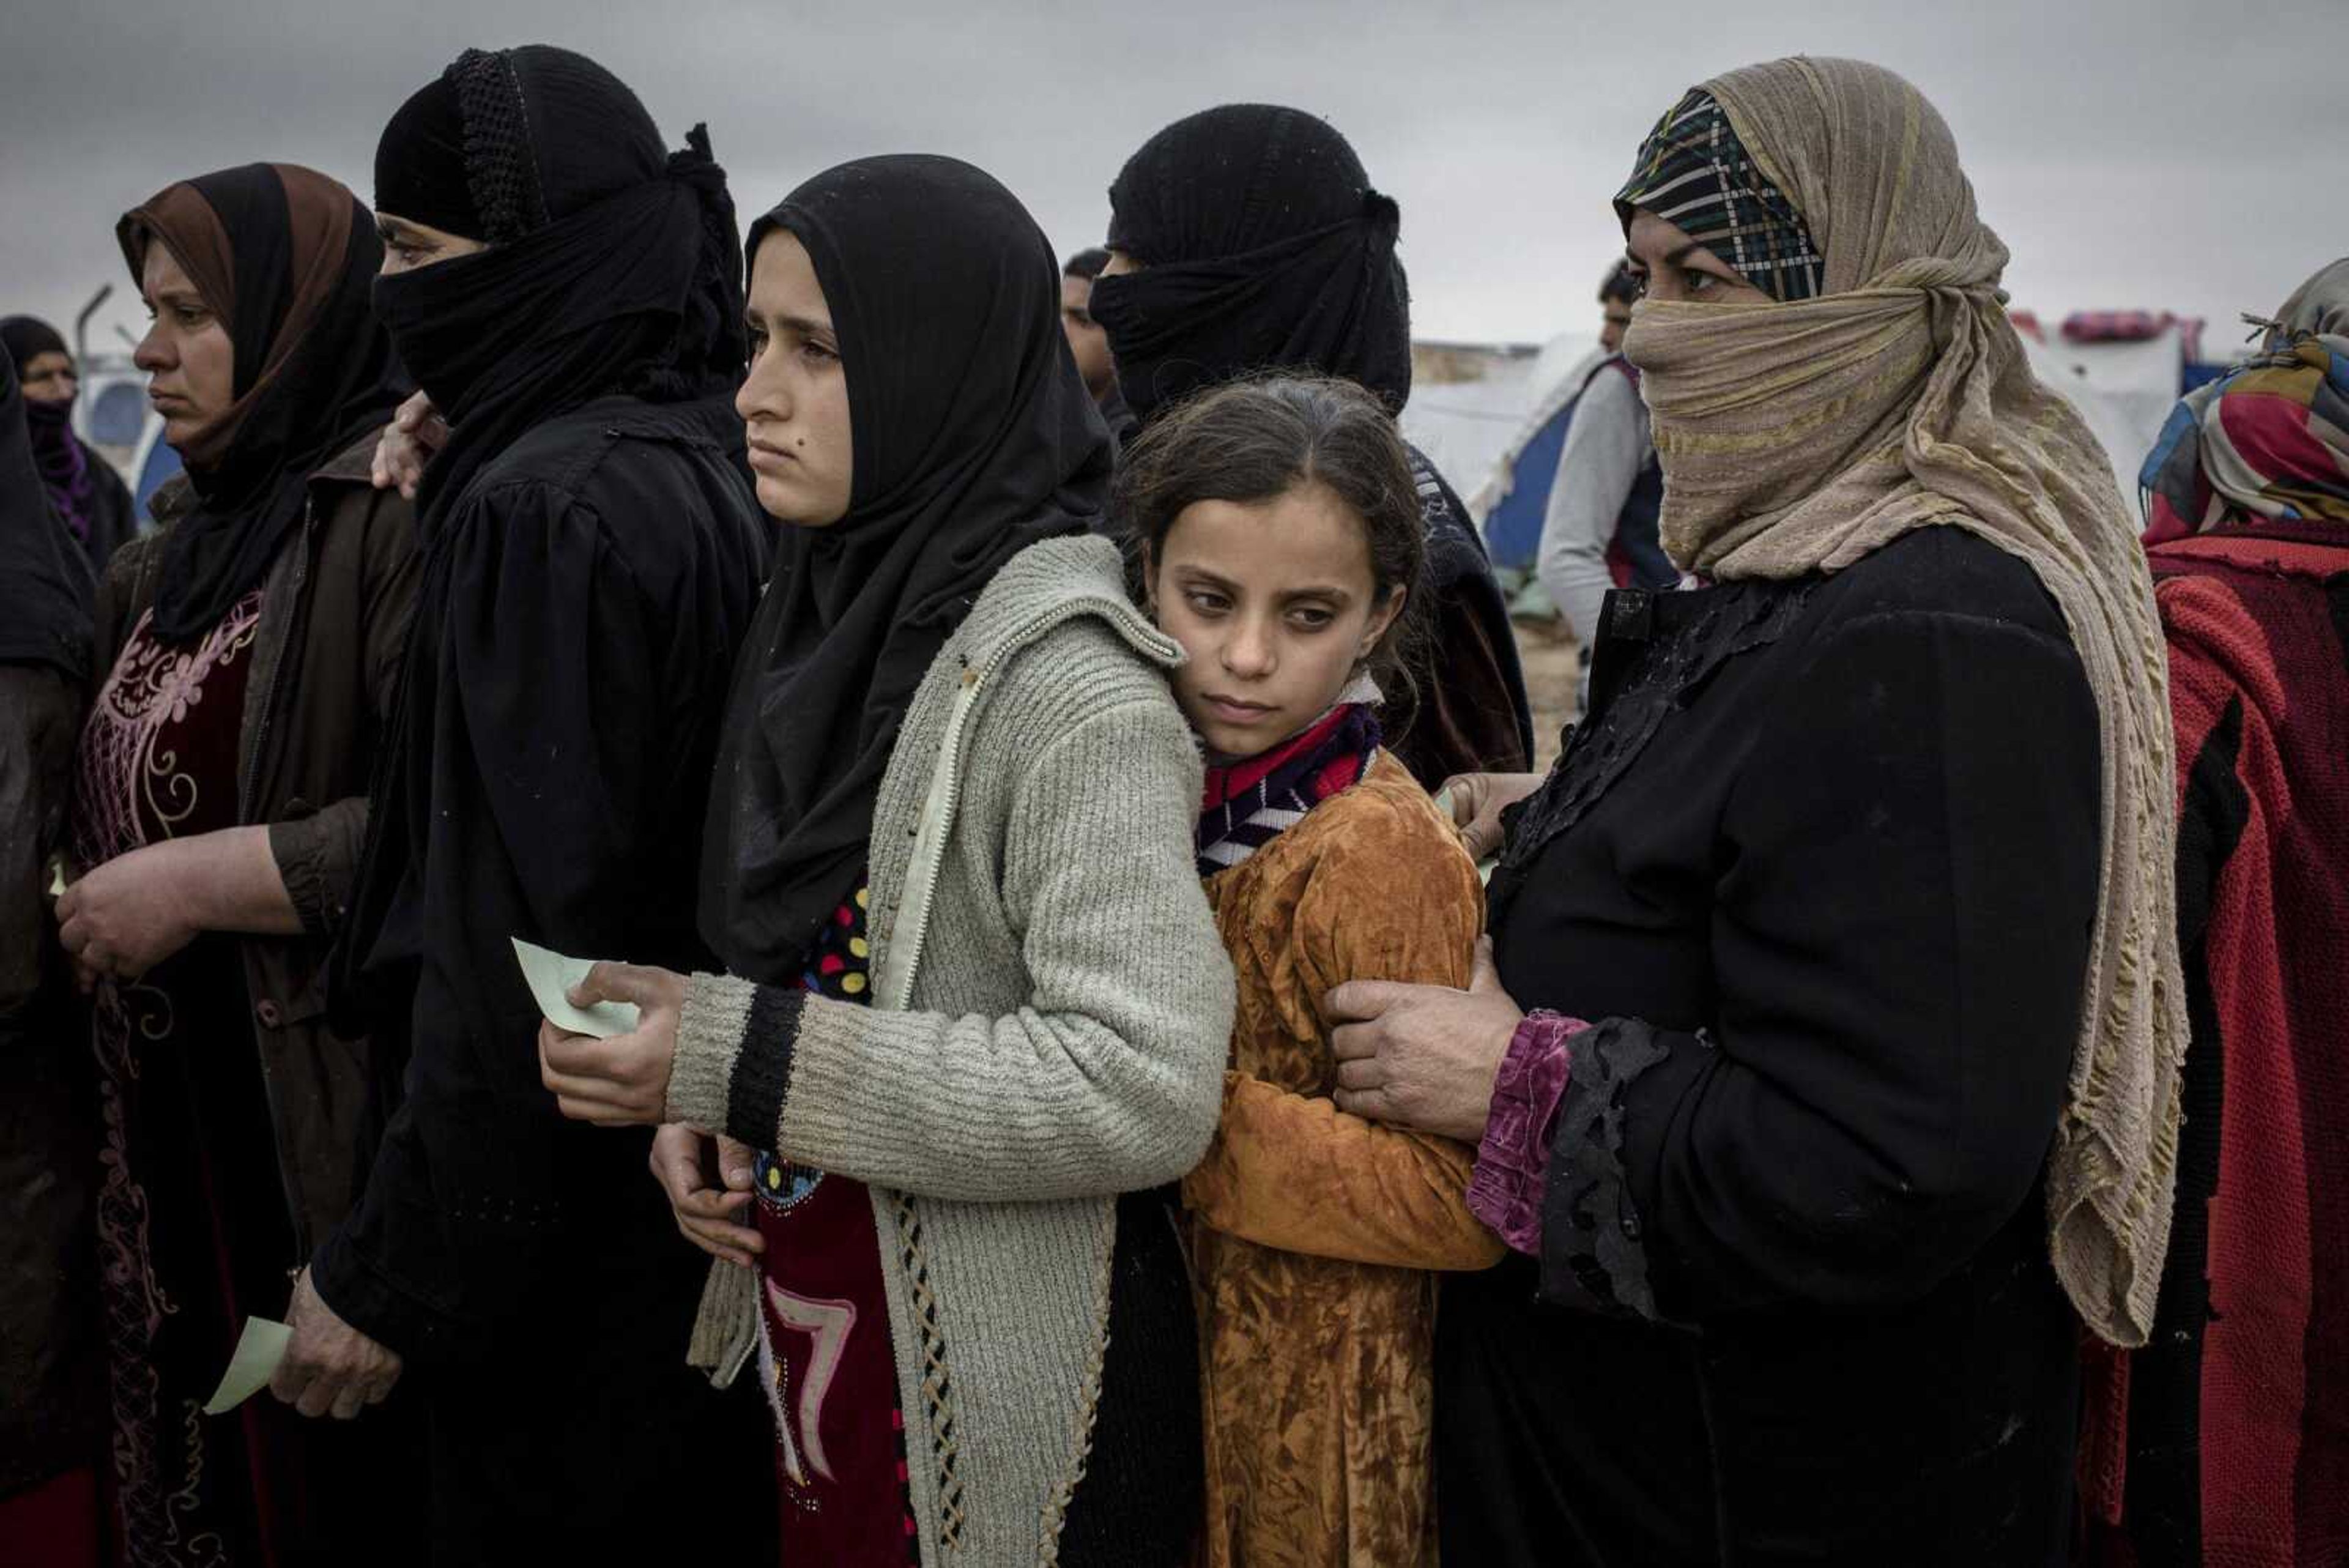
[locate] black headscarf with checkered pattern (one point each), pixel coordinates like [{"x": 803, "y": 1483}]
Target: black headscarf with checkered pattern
[{"x": 1695, "y": 174}]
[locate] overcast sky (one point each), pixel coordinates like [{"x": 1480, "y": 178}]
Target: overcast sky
[{"x": 2171, "y": 154}]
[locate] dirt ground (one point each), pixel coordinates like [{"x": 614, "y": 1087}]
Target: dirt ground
[{"x": 1549, "y": 654}]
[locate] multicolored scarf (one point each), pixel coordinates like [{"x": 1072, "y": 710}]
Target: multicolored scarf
[
  {"x": 1695, "y": 174},
  {"x": 1249, "y": 804},
  {"x": 2267, "y": 444}
]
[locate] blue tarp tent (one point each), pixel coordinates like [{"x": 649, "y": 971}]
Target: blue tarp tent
[{"x": 1513, "y": 528}]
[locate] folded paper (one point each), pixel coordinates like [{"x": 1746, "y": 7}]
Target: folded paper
[
  {"x": 259, "y": 1349},
  {"x": 551, "y": 976}
]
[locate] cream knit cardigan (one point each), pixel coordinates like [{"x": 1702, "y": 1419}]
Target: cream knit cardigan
[{"x": 1060, "y": 1039}]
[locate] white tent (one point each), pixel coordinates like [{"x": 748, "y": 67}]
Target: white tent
[
  {"x": 2123, "y": 391},
  {"x": 1466, "y": 428}
]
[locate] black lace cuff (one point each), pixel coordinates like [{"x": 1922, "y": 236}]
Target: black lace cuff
[{"x": 1592, "y": 1257}]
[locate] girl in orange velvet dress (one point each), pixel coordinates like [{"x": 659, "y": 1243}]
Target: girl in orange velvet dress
[{"x": 1280, "y": 534}]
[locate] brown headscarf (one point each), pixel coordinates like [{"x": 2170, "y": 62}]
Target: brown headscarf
[
  {"x": 1798, "y": 438},
  {"x": 284, "y": 257}
]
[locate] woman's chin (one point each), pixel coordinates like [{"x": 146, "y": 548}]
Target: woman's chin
[{"x": 788, "y": 504}]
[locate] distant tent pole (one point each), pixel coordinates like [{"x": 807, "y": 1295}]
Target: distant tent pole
[{"x": 81, "y": 323}]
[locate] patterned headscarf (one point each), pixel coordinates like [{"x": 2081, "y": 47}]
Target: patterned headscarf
[
  {"x": 2269, "y": 443},
  {"x": 1695, "y": 174}
]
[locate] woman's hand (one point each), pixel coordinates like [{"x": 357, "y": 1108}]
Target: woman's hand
[
  {"x": 622, "y": 1080},
  {"x": 330, "y": 1368},
  {"x": 417, "y": 430},
  {"x": 129, "y": 915},
  {"x": 1424, "y": 1056},
  {"x": 1475, "y": 801},
  {"x": 682, "y": 1162}
]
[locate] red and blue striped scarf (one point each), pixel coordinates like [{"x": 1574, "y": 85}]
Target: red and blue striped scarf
[{"x": 1249, "y": 804}]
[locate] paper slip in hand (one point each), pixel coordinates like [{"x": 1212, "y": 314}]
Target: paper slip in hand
[
  {"x": 550, "y": 977},
  {"x": 57, "y": 881},
  {"x": 259, "y": 1349}
]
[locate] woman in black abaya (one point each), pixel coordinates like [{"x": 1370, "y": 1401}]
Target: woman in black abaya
[{"x": 569, "y": 292}]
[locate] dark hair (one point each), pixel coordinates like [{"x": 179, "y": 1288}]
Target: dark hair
[
  {"x": 1255, "y": 439},
  {"x": 1087, "y": 263},
  {"x": 1620, "y": 283}
]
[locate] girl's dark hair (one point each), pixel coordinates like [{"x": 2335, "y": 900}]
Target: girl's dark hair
[{"x": 1253, "y": 440}]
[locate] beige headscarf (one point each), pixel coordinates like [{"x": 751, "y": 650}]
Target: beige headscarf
[{"x": 1798, "y": 438}]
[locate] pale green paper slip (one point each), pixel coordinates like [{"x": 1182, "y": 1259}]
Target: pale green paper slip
[
  {"x": 550, "y": 977},
  {"x": 57, "y": 881},
  {"x": 259, "y": 1349}
]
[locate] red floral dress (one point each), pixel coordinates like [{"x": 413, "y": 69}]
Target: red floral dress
[{"x": 193, "y": 1233}]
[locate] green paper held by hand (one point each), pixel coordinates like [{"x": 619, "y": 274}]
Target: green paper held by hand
[
  {"x": 259, "y": 1349},
  {"x": 551, "y": 975}
]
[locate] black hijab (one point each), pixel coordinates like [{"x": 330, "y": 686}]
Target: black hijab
[
  {"x": 1263, "y": 246},
  {"x": 613, "y": 264},
  {"x": 284, "y": 256},
  {"x": 973, "y": 438},
  {"x": 45, "y": 581}
]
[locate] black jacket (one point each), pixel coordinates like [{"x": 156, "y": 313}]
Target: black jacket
[
  {"x": 114, "y": 521},
  {"x": 1820, "y": 869}
]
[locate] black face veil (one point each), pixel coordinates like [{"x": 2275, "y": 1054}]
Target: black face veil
[
  {"x": 45, "y": 579},
  {"x": 612, "y": 264},
  {"x": 1263, "y": 246}
]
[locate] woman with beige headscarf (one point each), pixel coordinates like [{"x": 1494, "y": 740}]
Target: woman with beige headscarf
[{"x": 1827, "y": 1065}]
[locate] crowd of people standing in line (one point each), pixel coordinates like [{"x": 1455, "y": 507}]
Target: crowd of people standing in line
[{"x": 1021, "y": 740}]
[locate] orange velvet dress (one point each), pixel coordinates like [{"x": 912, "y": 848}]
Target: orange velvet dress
[{"x": 1312, "y": 1232}]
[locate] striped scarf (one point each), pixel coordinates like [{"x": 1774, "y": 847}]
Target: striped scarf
[
  {"x": 1249, "y": 804},
  {"x": 2268, "y": 444}
]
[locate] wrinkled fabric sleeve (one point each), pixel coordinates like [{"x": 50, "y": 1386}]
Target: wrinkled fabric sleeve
[
  {"x": 553, "y": 776},
  {"x": 318, "y": 855},
  {"x": 40, "y": 716},
  {"x": 1505, "y": 1190},
  {"x": 1910, "y": 877},
  {"x": 1294, "y": 1172}
]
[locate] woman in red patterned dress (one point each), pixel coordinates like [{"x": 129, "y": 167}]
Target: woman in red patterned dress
[{"x": 220, "y": 798}]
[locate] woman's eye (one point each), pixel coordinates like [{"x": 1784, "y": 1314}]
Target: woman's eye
[
  {"x": 1310, "y": 619},
  {"x": 190, "y": 316},
  {"x": 1698, "y": 282},
  {"x": 819, "y": 353},
  {"x": 1205, "y": 603},
  {"x": 758, "y": 344}
]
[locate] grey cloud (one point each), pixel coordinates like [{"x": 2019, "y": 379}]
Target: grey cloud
[{"x": 2168, "y": 154}]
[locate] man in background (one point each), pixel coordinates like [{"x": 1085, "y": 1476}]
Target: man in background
[{"x": 1600, "y": 531}]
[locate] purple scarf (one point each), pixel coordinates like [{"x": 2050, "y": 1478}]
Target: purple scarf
[{"x": 58, "y": 453}]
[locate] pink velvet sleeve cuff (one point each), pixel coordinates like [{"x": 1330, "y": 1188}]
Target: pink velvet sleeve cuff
[{"x": 1506, "y": 1189}]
